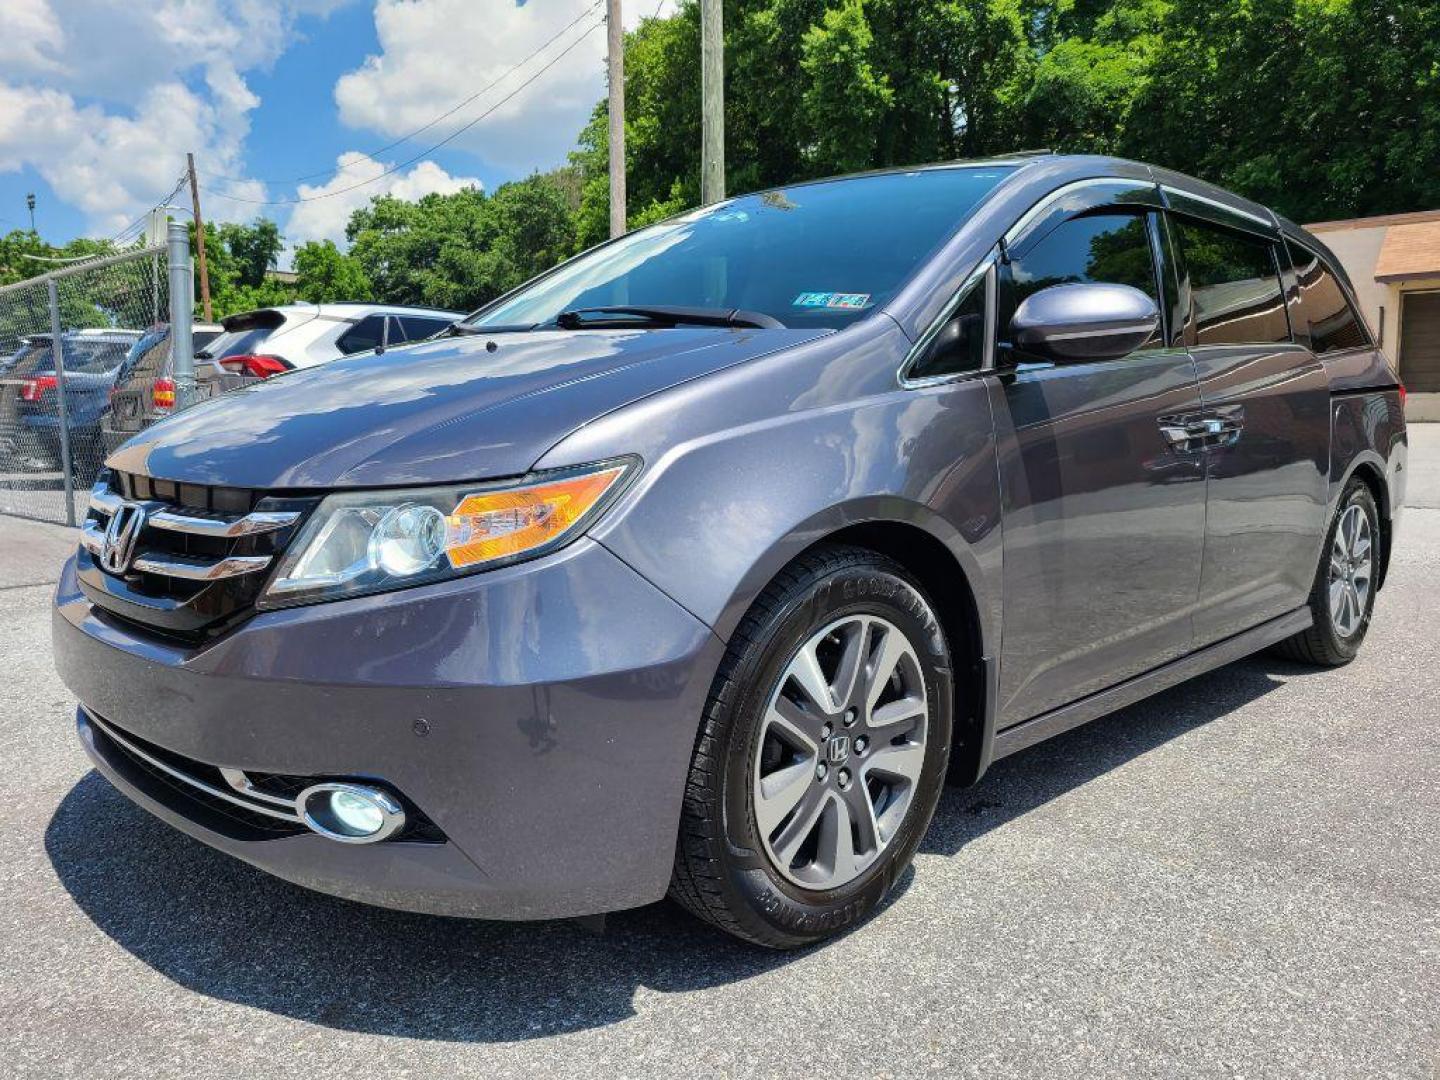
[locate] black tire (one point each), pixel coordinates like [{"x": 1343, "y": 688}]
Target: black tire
[
  {"x": 722, "y": 872},
  {"x": 1324, "y": 645}
]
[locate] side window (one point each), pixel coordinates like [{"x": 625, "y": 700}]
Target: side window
[
  {"x": 959, "y": 347},
  {"x": 420, "y": 327},
  {"x": 1235, "y": 282},
  {"x": 1333, "y": 322},
  {"x": 363, "y": 336},
  {"x": 1108, "y": 248}
]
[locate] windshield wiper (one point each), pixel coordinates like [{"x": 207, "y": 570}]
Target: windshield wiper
[
  {"x": 664, "y": 315},
  {"x": 457, "y": 329}
]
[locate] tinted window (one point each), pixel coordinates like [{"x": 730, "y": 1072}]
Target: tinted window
[
  {"x": 815, "y": 255},
  {"x": 1333, "y": 322},
  {"x": 363, "y": 336},
  {"x": 1112, "y": 249},
  {"x": 87, "y": 357},
  {"x": 147, "y": 356},
  {"x": 960, "y": 345},
  {"x": 1235, "y": 285},
  {"x": 235, "y": 343},
  {"x": 420, "y": 327}
]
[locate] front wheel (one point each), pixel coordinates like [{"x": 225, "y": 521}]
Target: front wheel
[
  {"x": 1343, "y": 595},
  {"x": 822, "y": 753}
]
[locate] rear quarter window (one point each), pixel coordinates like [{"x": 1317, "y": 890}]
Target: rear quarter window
[{"x": 1334, "y": 324}]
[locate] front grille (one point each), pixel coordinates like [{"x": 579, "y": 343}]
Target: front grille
[
  {"x": 244, "y": 806},
  {"x": 198, "y": 556}
]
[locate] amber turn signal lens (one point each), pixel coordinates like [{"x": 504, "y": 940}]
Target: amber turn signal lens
[{"x": 497, "y": 524}]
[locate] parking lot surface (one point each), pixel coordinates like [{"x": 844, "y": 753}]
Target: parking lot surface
[{"x": 1236, "y": 878}]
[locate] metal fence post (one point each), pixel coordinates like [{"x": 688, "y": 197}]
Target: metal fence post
[
  {"x": 58, "y": 352},
  {"x": 182, "y": 313}
]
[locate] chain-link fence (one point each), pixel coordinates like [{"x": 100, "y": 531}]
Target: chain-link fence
[{"x": 84, "y": 363}]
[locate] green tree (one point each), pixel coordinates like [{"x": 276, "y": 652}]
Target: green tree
[
  {"x": 325, "y": 273},
  {"x": 845, "y": 97},
  {"x": 459, "y": 251}
]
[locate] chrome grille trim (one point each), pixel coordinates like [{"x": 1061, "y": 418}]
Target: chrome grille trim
[
  {"x": 237, "y": 779},
  {"x": 216, "y": 526},
  {"x": 103, "y": 499},
  {"x": 223, "y": 528},
  {"x": 92, "y": 537},
  {"x": 291, "y": 814},
  {"x": 201, "y": 570}
]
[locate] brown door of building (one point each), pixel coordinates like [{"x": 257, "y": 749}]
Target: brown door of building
[{"x": 1420, "y": 342}]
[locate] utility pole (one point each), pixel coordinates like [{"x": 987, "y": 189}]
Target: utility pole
[
  {"x": 615, "y": 38},
  {"x": 30, "y": 205},
  {"x": 712, "y": 102},
  {"x": 199, "y": 238}
]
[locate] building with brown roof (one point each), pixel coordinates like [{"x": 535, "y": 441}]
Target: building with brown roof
[{"x": 1394, "y": 262}]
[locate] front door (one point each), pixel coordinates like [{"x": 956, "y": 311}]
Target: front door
[{"x": 1104, "y": 510}]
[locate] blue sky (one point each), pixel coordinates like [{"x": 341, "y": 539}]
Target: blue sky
[{"x": 99, "y": 102}]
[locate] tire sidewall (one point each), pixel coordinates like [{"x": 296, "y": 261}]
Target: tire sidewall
[{"x": 788, "y": 910}]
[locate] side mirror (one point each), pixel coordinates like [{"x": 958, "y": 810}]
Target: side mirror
[{"x": 1084, "y": 322}]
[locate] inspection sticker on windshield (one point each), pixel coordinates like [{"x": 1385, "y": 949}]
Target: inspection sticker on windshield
[{"x": 846, "y": 301}]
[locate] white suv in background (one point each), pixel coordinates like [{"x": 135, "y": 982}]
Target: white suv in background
[{"x": 267, "y": 341}]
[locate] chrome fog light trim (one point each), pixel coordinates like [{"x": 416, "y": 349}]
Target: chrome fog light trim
[{"x": 350, "y": 813}]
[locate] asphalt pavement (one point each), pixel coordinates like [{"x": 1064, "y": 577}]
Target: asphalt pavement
[{"x": 1238, "y": 877}]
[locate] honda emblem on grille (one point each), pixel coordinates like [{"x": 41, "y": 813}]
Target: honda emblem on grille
[{"x": 120, "y": 536}]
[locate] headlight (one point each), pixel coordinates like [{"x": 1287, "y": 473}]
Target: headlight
[{"x": 370, "y": 541}]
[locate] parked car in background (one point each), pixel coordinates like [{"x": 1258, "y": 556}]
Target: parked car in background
[
  {"x": 29, "y": 398},
  {"x": 265, "y": 342},
  {"x": 699, "y": 562},
  {"x": 144, "y": 388}
]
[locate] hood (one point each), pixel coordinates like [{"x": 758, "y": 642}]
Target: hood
[{"x": 448, "y": 411}]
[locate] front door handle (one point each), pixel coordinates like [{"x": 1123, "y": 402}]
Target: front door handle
[{"x": 1217, "y": 427}]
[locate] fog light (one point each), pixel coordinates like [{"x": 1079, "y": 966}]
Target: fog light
[{"x": 350, "y": 813}]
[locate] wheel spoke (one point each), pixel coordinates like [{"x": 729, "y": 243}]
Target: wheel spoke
[
  {"x": 797, "y": 726},
  {"x": 1337, "y": 600},
  {"x": 898, "y": 712},
  {"x": 892, "y": 648},
  {"x": 850, "y": 672},
  {"x": 805, "y": 671},
  {"x": 801, "y": 825},
  {"x": 904, "y": 761},
  {"x": 835, "y": 851},
  {"x": 1361, "y": 550},
  {"x": 861, "y": 810},
  {"x": 780, "y": 792}
]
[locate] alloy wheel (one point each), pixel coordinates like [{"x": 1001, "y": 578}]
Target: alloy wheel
[
  {"x": 1350, "y": 571},
  {"x": 842, "y": 747}
]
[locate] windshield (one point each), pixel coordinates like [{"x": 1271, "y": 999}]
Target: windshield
[
  {"x": 234, "y": 343},
  {"x": 812, "y": 255},
  {"x": 81, "y": 357}
]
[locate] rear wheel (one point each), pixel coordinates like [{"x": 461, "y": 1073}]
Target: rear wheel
[
  {"x": 1343, "y": 595},
  {"x": 822, "y": 753}
]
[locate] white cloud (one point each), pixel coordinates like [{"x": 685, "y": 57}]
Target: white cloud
[
  {"x": 436, "y": 53},
  {"x": 103, "y": 99},
  {"x": 332, "y": 203}
]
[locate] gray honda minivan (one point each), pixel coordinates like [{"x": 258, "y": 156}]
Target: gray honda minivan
[{"x": 696, "y": 564}]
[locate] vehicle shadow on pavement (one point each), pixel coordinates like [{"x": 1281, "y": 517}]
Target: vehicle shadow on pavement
[
  {"x": 222, "y": 928},
  {"x": 1018, "y": 784}
]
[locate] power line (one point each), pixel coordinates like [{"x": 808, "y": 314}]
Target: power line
[
  {"x": 424, "y": 153},
  {"x": 337, "y": 169}
]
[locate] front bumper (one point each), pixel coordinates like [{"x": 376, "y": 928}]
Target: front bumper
[{"x": 559, "y": 701}]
